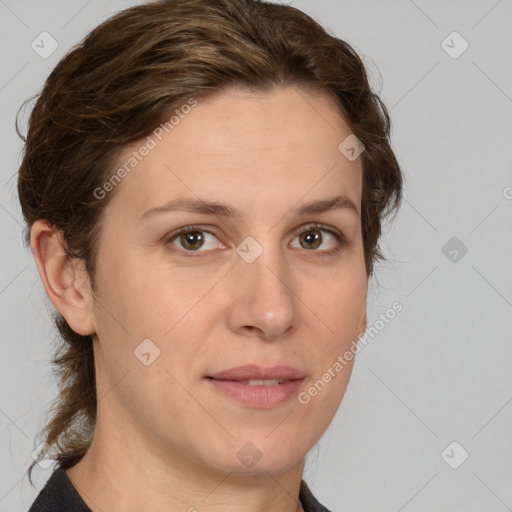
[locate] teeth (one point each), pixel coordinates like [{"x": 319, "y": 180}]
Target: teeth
[{"x": 259, "y": 382}]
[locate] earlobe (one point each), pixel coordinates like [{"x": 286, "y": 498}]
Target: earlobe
[{"x": 64, "y": 279}]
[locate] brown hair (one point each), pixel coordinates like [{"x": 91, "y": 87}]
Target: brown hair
[{"x": 121, "y": 82}]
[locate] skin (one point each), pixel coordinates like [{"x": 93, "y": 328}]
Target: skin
[{"x": 165, "y": 439}]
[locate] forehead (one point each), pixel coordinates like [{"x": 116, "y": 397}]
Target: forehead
[{"x": 245, "y": 147}]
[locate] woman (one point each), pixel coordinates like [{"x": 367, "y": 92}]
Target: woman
[{"x": 203, "y": 185}]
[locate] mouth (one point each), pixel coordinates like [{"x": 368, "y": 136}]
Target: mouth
[
  {"x": 257, "y": 386},
  {"x": 257, "y": 382},
  {"x": 255, "y": 373}
]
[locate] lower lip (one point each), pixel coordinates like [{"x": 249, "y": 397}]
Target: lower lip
[{"x": 258, "y": 396}]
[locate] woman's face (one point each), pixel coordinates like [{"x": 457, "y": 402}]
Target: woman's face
[{"x": 261, "y": 286}]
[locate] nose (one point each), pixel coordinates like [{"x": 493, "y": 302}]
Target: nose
[{"x": 263, "y": 303}]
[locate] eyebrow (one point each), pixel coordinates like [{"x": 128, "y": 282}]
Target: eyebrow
[{"x": 209, "y": 208}]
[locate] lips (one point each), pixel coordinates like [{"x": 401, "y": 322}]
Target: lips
[
  {"x": 254, "y": 373},
  {"x": 258, "y": 386}
]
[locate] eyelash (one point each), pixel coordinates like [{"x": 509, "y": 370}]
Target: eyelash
[{"x": 339, "y": 237}]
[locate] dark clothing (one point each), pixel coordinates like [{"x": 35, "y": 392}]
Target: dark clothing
[{"x": 59, "y": 495}]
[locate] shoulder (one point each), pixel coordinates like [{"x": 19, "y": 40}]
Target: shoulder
[
  {"x": 308, "y": 501},
  {"x": 58, "y": 495}
]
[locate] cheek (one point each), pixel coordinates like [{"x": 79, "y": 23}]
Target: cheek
[
  {"x": 137, "y": 297},
  {"x": 168, "y": 310},
  {"x": 340, "y": 303},
  {"x": 340, "y": 307}
]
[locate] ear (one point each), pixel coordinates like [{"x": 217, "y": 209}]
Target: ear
[{"x": 64, "y": 279}]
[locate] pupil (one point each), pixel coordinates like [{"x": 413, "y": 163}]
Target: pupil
[
  {"x": 311, "y": 239},
  {"x": 191, "y": 239}
]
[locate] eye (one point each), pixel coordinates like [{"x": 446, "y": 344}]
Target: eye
[
  {"x": 311, "y": 238},
  {"x": 191, "y": 239}
]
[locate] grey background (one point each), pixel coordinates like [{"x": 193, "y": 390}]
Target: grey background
[{"x": 437, "y": 373}]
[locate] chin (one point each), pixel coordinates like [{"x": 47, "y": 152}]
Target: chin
[{"x": 259, "y": 454}]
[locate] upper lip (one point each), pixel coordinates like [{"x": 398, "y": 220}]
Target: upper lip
[{"x": 255, "y": 372}]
